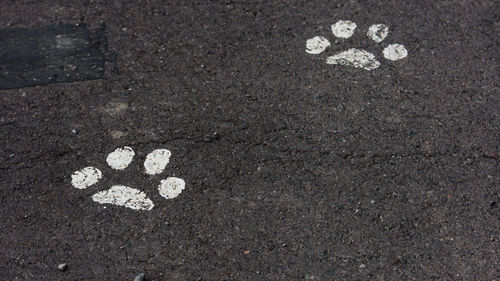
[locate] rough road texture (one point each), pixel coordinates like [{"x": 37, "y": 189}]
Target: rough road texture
[{"x": 294, "y": 169}]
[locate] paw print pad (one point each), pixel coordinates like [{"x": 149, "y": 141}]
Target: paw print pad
[
  {"x": 125, "y": 196},
  {"x": 344, "y": 29}
]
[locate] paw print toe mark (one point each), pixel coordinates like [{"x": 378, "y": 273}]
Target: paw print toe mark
[
  {"x": 171, "y": 187},
  {"x": 317, "y": 45},
  {"x": 343, "y": 29},
  {"x": 395, "y": 52},
  {"x": 156, "y": 161},
  {"x": 85, "y": 177},
  {"x": 120, "y": 158}
]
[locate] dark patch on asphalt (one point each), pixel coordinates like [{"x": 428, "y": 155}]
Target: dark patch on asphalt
[{"x": 41, "y": 55}]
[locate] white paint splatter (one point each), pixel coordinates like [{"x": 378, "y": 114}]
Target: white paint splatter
[
  {"x": 317, "y": 45},
  {"x": 378, "y": 32},
  {"x": 120, "y": 158},
  {"x": 395, "y": 52},
  {"x": 356, "y": 58},
  {"x": 124, "y": 196},
  {"x": 85, "y": 177},
  {"x": 343, "y": 28},
  {"x": 171, "y": 187},
  {"x": 156, "y": 161}
]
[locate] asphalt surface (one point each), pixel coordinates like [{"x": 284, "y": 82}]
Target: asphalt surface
[{"x": 294, "y": 169}]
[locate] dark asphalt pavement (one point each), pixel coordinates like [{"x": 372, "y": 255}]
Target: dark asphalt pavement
[{"x": 294, "y": 169}]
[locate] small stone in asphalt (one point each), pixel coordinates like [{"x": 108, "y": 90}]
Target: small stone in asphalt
[
  {"x": 139, "y": 277},
  {"x": 62, "y": 267}
]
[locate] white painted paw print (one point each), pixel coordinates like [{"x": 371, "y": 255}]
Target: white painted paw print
[
  {"x": 125, "y": 196},
  {"x": 355, "y": 57}
]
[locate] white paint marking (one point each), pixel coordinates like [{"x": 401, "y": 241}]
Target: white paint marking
[
  {"x": 395, "y": 52},
  {"x": 85, "y": 177},
  {"x": 120, "y": 158},
  {"x": 356, "y": 58},
  {"x": 343, "y": 28},
  {"x": 156, "y": 161},
  {"x": 317, "y": 45},
  {"x": 378, "y": 32},
  {"x": 124, "y": 196},
  {"x": 171, "y": 187}
]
